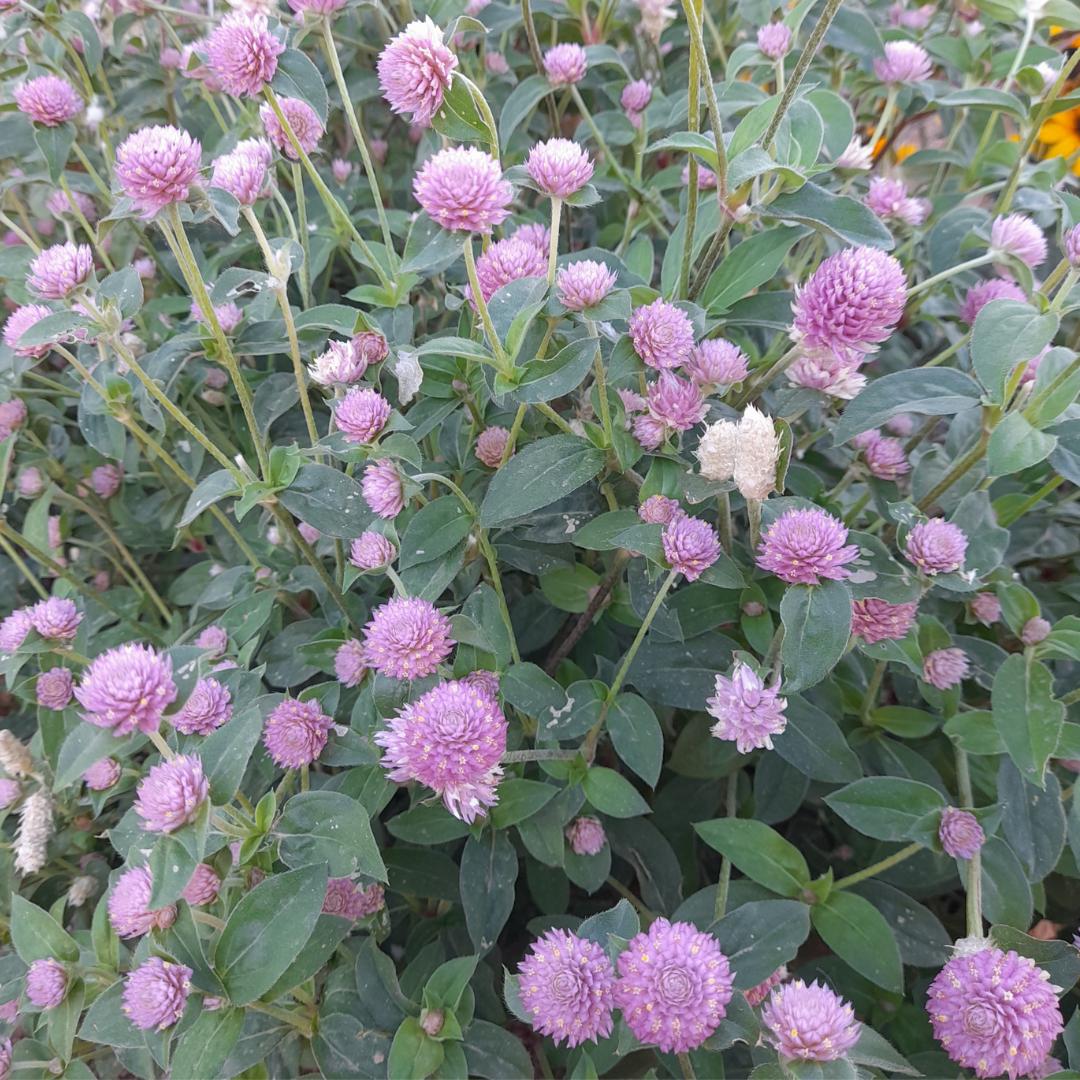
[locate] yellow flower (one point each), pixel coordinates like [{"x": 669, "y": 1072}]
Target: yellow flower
[
  {"x": 1060, "y": 136},
  {"x": 903, "y": 151}
]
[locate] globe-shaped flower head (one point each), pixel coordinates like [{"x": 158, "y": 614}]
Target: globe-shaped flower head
[
  {"x": 774, "y": 40},
  {"x": 56, "y": 618},
  {"x": 888, "y": 199},
  {"x": 407, "y": 638},
  {"x": 490, "y": 446},
  {"x": 663, "y": 334},
  {"x": 46, "y": 983},
  {"x": 129, "y": 905},
  {"x": 978, "y": 296},
  {"x": 243, "y": 54},
  {"x": 946, "y": 668},
  {"x": 371, "y": 551},
  {"x": 805, "y": 547},
  {"x": 203, "y": 886},
  {"x": 415, "y": 70},
  {"x": 296, "y": 732},
  {"x": 504, "y": 261},
  {"x": 583, "y": 284},
  {"x": 1071, "y": 246},
  {"x": 635, "y": 100},
  {"x": 49, "y": 100},
  {"x": 691, "y": 545},
  {"x": 362, "y": 414},
  {"x": 877, "y": 620},
  {"x": 53, "y": 688},
  {"x": 960, "y": 833},
  {"x": 565, "y": 65},
  {"x": 559, "y": 167},
  {"x": 170, "y": 794},
  {"x": 809, "y": 1023},
  {"x": 155, "y": 994},
  {"x": 103, "y": 774},
  {"x": 462, "y": 189},
  {"x": 15, "y": 328},
  {"x": 127, "y": 689},
  {"x": 994, "y": 1012},
  {"x": 350, "y": 900},
  {"x": 1020, "y": 237},
  {"x": 716, "y": 362},
  {"x": 207, "y": 708},
  {"x": 904, "y": 62},
  {"x": 566, "y": 984},
  {"x": 242, "y": 173},
  {"x": 747, "y": 712},
  {"x": 586, "y": 836},
  {"x": 674, "y": 986},
  {"x": 302, "y": 118},
  {"x": 59, "y": 270},
  {"x": 349, "y": 663},
  {"x": 451, "y": 740},
  {"x": 382, "y": 488},
  {"x": 157, "y": 166},
  {"x": 936, "y": 546}
]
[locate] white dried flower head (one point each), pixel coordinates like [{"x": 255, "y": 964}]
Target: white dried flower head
[
  {"x": 857, "y": 156},
  {"x": 15, "y": 758},
  {"x": 716, "y": 451},
  {"x": 35, "y": 828},
  {"x": 755, "y": 462},
  {"x": 409, "y": 375},
  {"x": 81, "y": 890}
]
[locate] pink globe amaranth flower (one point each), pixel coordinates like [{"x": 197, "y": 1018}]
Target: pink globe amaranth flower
[
  {"x": 583, "y": 284},
  {"x": 382, "y": 488},
  {"x": 1035, "y": 630},
  {"x": 103, "y": 774},
  {"x": 56, "y": 618},
  {"x": 54, "y": 688},
  {"x": 10, "y": 790},
  {"x": 1071, "y": 246},
  {"x": 559, "y": 167},
  {"x": 936, "y": 546},
  {"x": 129, "y": 905},
  {"x": 885, "y": 457},
  {"x": 567, "y": 984},
  {"x": 59, "y": 204},
  {"x": 155, "y": 994},
  {"x": 302, "y": 118},
  {"x": 1020, "y": 237},
  {"x": 851, "y": 303},
  {"x": 659, "y": 510},
  {"x": 495, "y": 63},
  {"x": 370, "y": 347},
  {"x": 208, "y": 707},
  {"x": 157, "y": 166},
  {"x": 203, "y": 887},
  {"x": 59, "y": 270},
  {"x": 565, "y": 65},
  {"x": 978, "y": 296},
  {"x": 296, "y": 732},
  {"x": 340, "y": 365},
  {"x": 243, "y": 54},
  {"x": 316, "y": 7},
  {"x": 18, "y": 322},
  {"x": 351, "y": 900},
  {"x": 747, "y": 712},
  {"x": 106, "y": 480},
  {"x": 674, "y": 986},
  {"x": 716, "y": 362},
  {"x": 586, "y": 836},
  {"x": 706, "y": 178},
  {"x": 960, "y": 833},
  {"x": 804, "y": 547},
  {"x": 663, "y": 334},
  {"x": 349, "y": 664},
  {"x": 504, "y": 261},
  {"x": 889, "y": 199},
  {"x": 490, "y": 446},
  {"x": 1031, "y": 368},
  {"x": 30, "y": 483},
  {"x": 127, "y": 688},
  {"x": 916, "y": 19},
  {"x": 809, "y": 1023},
  {"x": 837, "y": 376},
  {"x": 946, "y": 668},
  {"x": 903, "y": 62},
  {"x": 462, "y": 189},
  {"x": 214, "y": 639},
  {"x": 341, "y": 170},
  {"x": 13, "y": 413},
  {"x": 632, "y": 402},
  {"x": 875, "y": 620},
  {"x": 757, "y": 994},
  {"x": 46, "y": 983},
  {"x": 229, "y": 315},
  {"x": 536, "y": 234},
  {"x": 372, "y": 551},
  {"x": 49, "y": 100},
  {"x": 242, "y": 174},
  {"x": 407, "y": 638},
  {"x": 691, "y": 545},
  {"x": 310, "y": 534},
  {"x": 676, "y": 403},
  {"x": 484, "y": 682},
  {"x": 649, "y": 430},
  {"x": 170, "y": 794},
  {"x": 986, "y": 607},
  {"x": 635, "y": 99},
  {"x": 994, "y": 1012},
  {"x": 774, "y": 40},
  {"x": 415, "y": 70},
  {"x": 362, "y": 414}
]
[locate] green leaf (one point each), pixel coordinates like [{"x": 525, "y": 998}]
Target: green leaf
[
  {"x": 205, "y": 1045},
  {"x": 612, "y": 794},
  {"x": 489, "y": 869},
  {"x": 413, "y": 1053},
  {"x": 85, "y": 745},
  {"x": 172, "y": 865},
  {"x": 540, "y": 474},
  {"x": 435, "y": 528},
  {"x": 837, "y": 215},
  {"x": 326, "y": 826},
  {"x": 813, "y": 743},
  {"x": 544, "y": 380},
  {"x": 860, "y": 935},
  {"x": 36, "y": 935},
  {"x": 885, "y": 807},
  {"x": 328, "y": 500},
  {"x": 210, "y": 490},
  {"x": 520, "y": 104},
  {"x": 458, "y": 117},
  {"x": 761, "y": 936},
  {"x": 983, "y": 97},
  {"x": 429, "y": 823},
  {"x": 875, "y": 1050},
  {"x": 266, "y": 931},
  {"x": 1006, "y": 892},
  {"x": 1026, "y": 715},
  {"x": 55, "y": 146},
  {"x": 1059, "y": 959},
  {"x": 225, "y": 752},
  {"x": 1005, "y": 333},
  {"x": 817, "y": 625},
  {"x": 530, "y": 689},
  {"x": 448, "y": 981},
  {"x": 759, "y": 852},
  {"x": 493, "y": 1053},
  {"x": 750, "y": 264},
  {"x": 519, "y": 800},
  {"x": 636, "y": 735},
  {"x": 1015, "y": 445},
  {"x": 298, "y": 77}
]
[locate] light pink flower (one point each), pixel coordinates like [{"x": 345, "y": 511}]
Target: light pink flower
[
  {"x": 103, "y": 774},
  {"x": 59, "y": 204},
  {"x": 674, "y": 404},
  {"x": 559, "y": 167},
  {"x": 242, "y": 174},
  {"x": 372, "y": 551},
  {"x": 54, "y": 688},
  {"x": 350, "y": 900},
  {"x": 903, "y": 62},
  {"x": 875, "y": 620},
  {"x": 316, "y": 7},
  {"x": 565, "y": 64},
  {"x": 1020, "y": 237},
  {"x": 415, "y": 70},
  {"x": 243, "y": 54},
  {"x": 978, "y": 296},
  {"x": 296, "y": 732},
  {"x": 586, "y": 836},
  {"x": 10, "y": 790},
  {"x": 663, "y": 334},
  {"x": 747, "y": 712},
  {"x": 757, "y": 994},
  {"x": 302, "y": 118},
  {"x": 59, "y": 270},
  {"x": 127, "y": 688},
  {"x": 207, "y": 708},
  {"x": 46, "y": 983},
  {"x": 155, "y": 994},
  {"x": 960, "y": 833},
  {"x": 706, "y": 178},
  {"x": 774, "y": 40},
  {"x": 490, "y": 446},
  {"x": 885, "y": 457},
  {"x": 407, "y": 638},
  {"x": 129, "y": 905},
  {"x": 56, "y": 618},
  {"x": 889, "y": 200},
  {"x": 635, "y": 99},
  {"x": 936, "y": 546},
  {"x": 716, "y": 362},
  {"x": 659, "y": 510},
  {"x": 362, "y": 414},
  {"x": 349, "y": 664},
  {"x": 157, "y": 166},
  {"x": 504, "y": 261},
  {"x": 49, "y": 100},
  {"x": 106, "y": 480},
  {"x": 341, "y": 170},
  {"x": 806, "y": 547},
  {"x": 203, "y": 887},
  {"x": 691, "y": 545},
  {"x": 18, "y": 322},
  {"x": 30, "y": 483},
  {"x": 809, "y": 1023},
  {"x": 1071, "y": 246},
  {"x": 583, "y": 284},
  {"x": 462, "y": 188},
  {"x": 170, "y": 794},
  {"x": 339, "y": 365},
  {"x": 946, "y": 668},
  {"x": 986, "y": 607},
  {"x": 382, "y": 488},
  {"x": 214, "y": 639},
  {"x": 1035, "y": 630}
]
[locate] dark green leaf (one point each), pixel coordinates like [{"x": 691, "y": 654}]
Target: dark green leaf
[
  {"x": 817, "y": 624},
  {"x": 327, "y": 827},
  {"x": 860, "y": 935},
  {"x": 759, "y": 852}
]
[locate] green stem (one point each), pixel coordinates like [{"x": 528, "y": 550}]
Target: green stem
[
  {"x": 25, "y": 570},
  {"x": 970, "y": 459},
  {"x": 639, "y": 638},
  {"x": 601, "y": 389},
  {"x": 513, "y": 757},
  {"x": 496, "y": 581},
  {"x": 872, "y": 688},
  {"x": 481, "y": 305},
  {"x": 947, "y": 354},
  {"x": 1007, "y": 517},
  {"x": 879, "y": 867},
  {"x": 723, "y": 881},
  {"x": 974, "y": 869},
  {"x": 691, "y": 8},
  {"x": 553, "y": 242},
  {"x": 305, "y": 236},
  {"x": 755, "y": 385},
  {"x": 930, "y": 282},
  {"x": 883, "y": 120},
  {"x": 686, "y": 1067}
]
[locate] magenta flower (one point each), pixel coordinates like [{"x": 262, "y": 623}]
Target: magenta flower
[
  {"x": 46, "y": 983},
  {"x": 316, "y": 7},
  {"x": 296, "y": 732},
  {"x": 491, "y": 445},
  {"x": 155, "y": 994},
  {"x": 415, "y": 70},
  {"x": 53, "y": 688},
  {"x": 875, "y": 620},
  {"x": 586, "y": 836},
  {"x": 203, "y": 887},
  {"x": 706, "y": 178},
  {"x": 635, "y": 100},
  {"x": 484, "y": 682},
  {"x": 56, "y": 618},
  {"x": 774, "y": 40},
  {"x": 372, "y": 551},
  {"x": 674, "y": 404},
  {"x": 302, "y": 118},
  {"x": 757, "y": 994},
  {"x": 13, "y": 412},
  {"x": 214, "y": 639},
  {"x": 565, "y": 65},
  {"x": 207, "y": 708},
  {"x": 946, "y": 668},
  {"x": 659, "y": 510},
  {"x": 559, "y": 167},
  {"x": 936, "y": 546},
  {"x": 1034, "y": 630},
  {"x": 49, "y": 100},
  {"x": 986, "y": 607},
  {"x": 157, "y": 166},
  {"x": 978, "y": 296},
  {"x": 885, "y": 457},
  {"x": 504, "y": 261},
  {"x": 106, "y": 480},
  {"x": 59, "y": 204},
  {"x": 803, "y": 547},
  {"x": 536, "y": 234},
  {"x": 747, "y": 712},
  {"x": 583, "y": 284},
  {"x": 103, "y": 774},
  {"x": 349, "y": 664},
  {"x": 382, "y": 488},
  {"x": 407, "y": 638},
  {"x": 960, "y": 833},
  {"x": 462, "y": 189},
  {"x": 809, "y": 1023},
  {"x": 674, "y": 986},
  {"x": 341, "y": 169},
  {"x": 662, "y": 334},
  {"x": 243, "y": 54},
  {"x": 691, "y": 545},
  {"x": 1071, "y": 246},
  {"x": 129, "y": 905},
  {"x": 566, "y": 984},
  {"x": 370, "y": 347},
  {"x": 831, "y": 374},
  {"x": 889, "y": 200},
  {"x": 242, "y": 174},
  {"x": 994, "y": 1012},
  {"x": 1020, "y": 237},
  {"x": 59, "y": 270},
  {"x": 716, "y": 362},
  {"x": 171, "y": 794},
  {"x": 903, "y": 62},
  {"x": 362, "y": 414},
  {"x": 127, "y": 688},
  {"x": 341, "y": 365},
  {"x": 18, "y": 322},
  {"x": 351, "y": 900}
]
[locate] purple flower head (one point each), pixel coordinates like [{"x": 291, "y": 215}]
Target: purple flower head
[
  {"x": 351, "y": 900},
  {"x": 16, "y": 326},
  {"x": 559, "y": 167},
  {"x": 485, "y": 682},
  {"x": 946, "y": 668},
  {"x": 903, "y": 62},
  {"x": 747, "y": 712},
  {"x": 59, "y": 270},
  {"x": 372, "y": 551},
  {"x": 994, "y": 1012},
  {"x": 129, "y": 905},
  {"x": 415, "y": 70},
  {"x": 875, "y": 620},
  {"x": 59, "y": 204},
  {"x": 659, "y": 510},
  {"x": 341, "y": 169},
  {"x": 804, "y": 547},
  {"x": 155, "y": 994},
  {"x": 30, "y": 483},
  {"x": 382, "y": 488},
  {"x": 662, "y": 334},
  {"x": 407, "y": 638},
  {"x": 774, "y": 40},
  {"x": 566, "y": 984},
  {"x": 889, "y": 200},
  {"x": 103, "y": 774},
  {"x": 757, "y": 994},
  {"x": 170, "y": 794},
  {"x": 583, "y": 284},
  {"x": 809, "y": 1023},
  {"x": 936, "y": 546},
  {"x": 1071, "y": 246},
  {"x": 12, "y": 413},
  {"x": 830, "y": 373},
  {"x": 960, "y": 833},
  {"x": 504, "y": 261},
  {"x": 674, "y": 986},
  {"x": 986, "y": 607},
  {"x": 462, "y": 188},
  {"x": 203, "y": 887},
  {"x": 207, "y": 708},
  {"x": 349, "y": 664},
  {"x": 157, "y": 166},
  {"x": 1034, "y": 630},
  {"x": 46, "y": 983},
  {"x": 56, "y": 618},
  {"x": 106, "y": 480},
  {"x": 884, "y": 456},
  {"x": 716, "y": 362},
  {"x": 691, "y": 545},
  {"x": 242, "y": 53},
  {"x": 214, "y": 639},
  {"x": 565, "y": 65},
  {"x": 242, "y": 173},
  {"x": 978, "y": 296},
  {"x": 536, "y": 234},
  {"x": 491, "y": 445},
  {"x": 49, "y": 100},
  {"x": 127, "y": 688},
  {"x": 586, "y": 836},
  {"x": 296, "y": 732},
  {"x": 316, "y": 7},
  {"x": 635, "y": 100},
  {"x": 302, "y": 118},
  {"x": 1020, "y": 237},
  {"x": 451, "y": 740},
  {"x": 10, "y": 790},
  {"x": 54, "y": 688},
  {"x": 676, "y": 403},
  {"x": 362, "y": 414}
]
